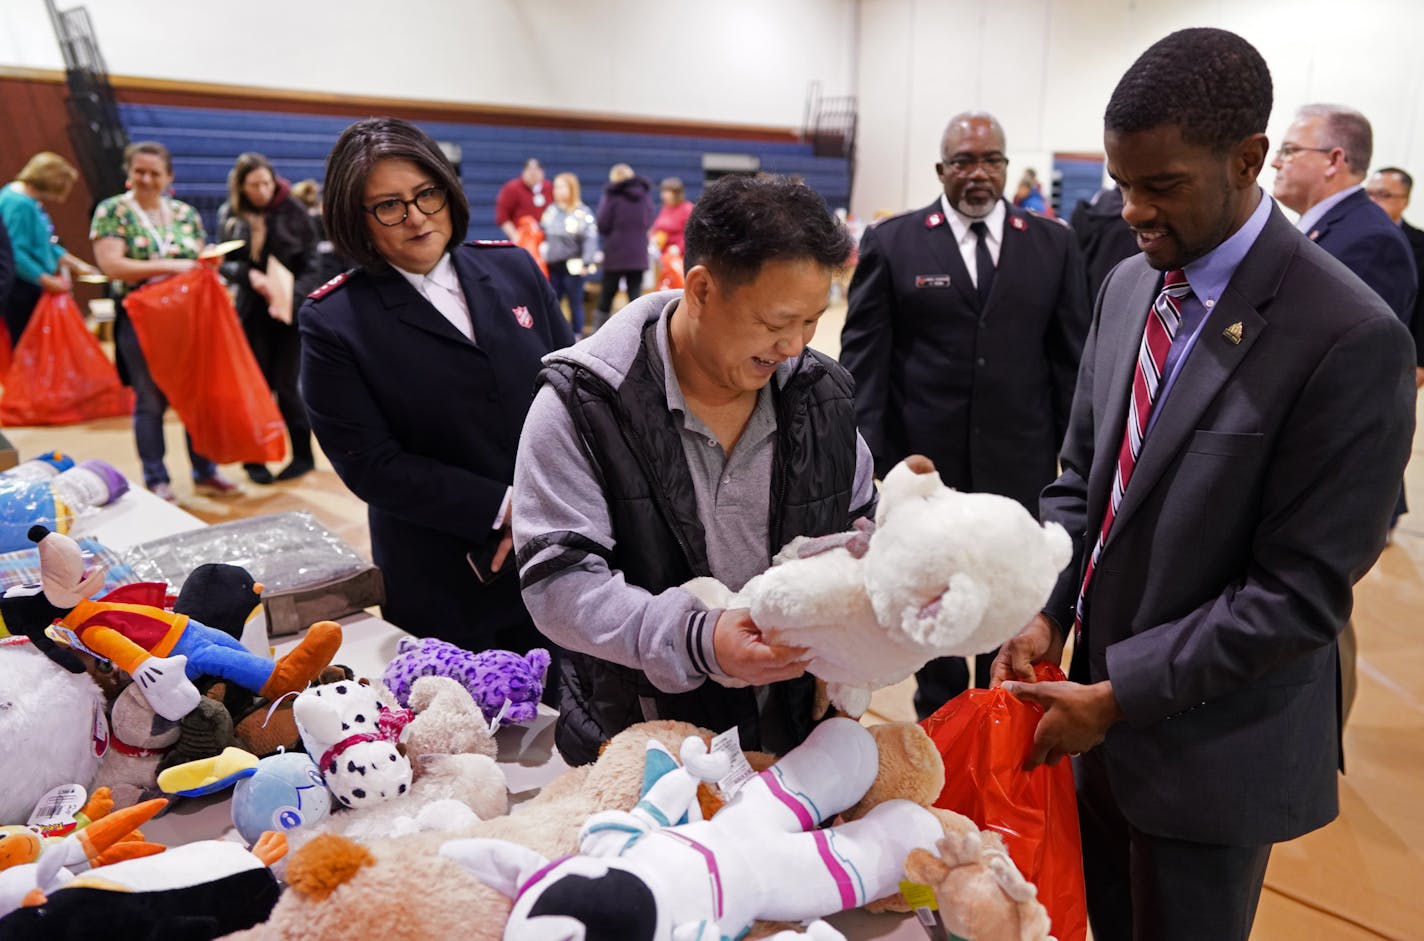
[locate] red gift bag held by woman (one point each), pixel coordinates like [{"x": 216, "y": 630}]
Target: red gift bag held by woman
[
  {"x": 985, "y": 735},
  {"x": 198, "y": 355},
  {"x": 58, "y": 373}
]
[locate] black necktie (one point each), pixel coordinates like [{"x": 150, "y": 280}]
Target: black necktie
[{"x": 983, "y": 263}]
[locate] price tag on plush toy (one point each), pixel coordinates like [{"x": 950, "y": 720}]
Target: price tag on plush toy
[
  {"x": 100, "y": 741},
  {"x": 922, "y": 901},
  {"x": 54, "y": 814},
  {"x": 729, "y": 743},
  {"x": 498, "y": 719}
]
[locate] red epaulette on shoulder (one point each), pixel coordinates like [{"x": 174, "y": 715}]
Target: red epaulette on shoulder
[
  {"x": 490, "y": 243},
  {"x": 329, "y": 286}
]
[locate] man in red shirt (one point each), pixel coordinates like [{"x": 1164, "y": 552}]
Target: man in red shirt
[{"x": 525, "y": 195}]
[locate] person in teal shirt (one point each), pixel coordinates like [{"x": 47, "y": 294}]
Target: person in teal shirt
[{"x": 41, "y": 263}]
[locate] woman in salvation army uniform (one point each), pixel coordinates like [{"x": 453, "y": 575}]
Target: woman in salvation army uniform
[{"x": 418, "y": 367}]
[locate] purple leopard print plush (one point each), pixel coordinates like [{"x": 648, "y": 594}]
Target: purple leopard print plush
[{"x": 491, "y": 676}]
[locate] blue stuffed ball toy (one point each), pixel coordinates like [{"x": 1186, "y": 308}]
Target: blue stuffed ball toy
[{"x": 287, "y": 791}]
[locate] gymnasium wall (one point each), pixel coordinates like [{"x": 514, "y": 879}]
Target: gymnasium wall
[{"x": 1048, "y": 67}]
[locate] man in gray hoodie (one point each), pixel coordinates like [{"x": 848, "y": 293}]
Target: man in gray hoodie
[{"x": 694, "y": 435}]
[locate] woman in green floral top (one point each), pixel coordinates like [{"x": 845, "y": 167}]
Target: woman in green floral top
[{"x": 139, "y": 236}]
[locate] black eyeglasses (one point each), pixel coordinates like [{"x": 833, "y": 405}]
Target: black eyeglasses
[
  {"x": 965, "y": 163},
  {"x": 429, "y": 201},
  {"x": 1384, "y": 194},
  {"x": 1288, "y": 151}
]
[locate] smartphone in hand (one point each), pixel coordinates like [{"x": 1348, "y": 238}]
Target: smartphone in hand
[{"x": 481, "y": 558}]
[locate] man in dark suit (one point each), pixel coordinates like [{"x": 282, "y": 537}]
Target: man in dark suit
[
  {"x": 1320, "y": 167},
  {"x": 1390, "y": 188},
  {"x": 1243, "y": 413},
  {"x": 965, "y": 325}
]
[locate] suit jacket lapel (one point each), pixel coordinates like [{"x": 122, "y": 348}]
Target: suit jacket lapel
[
  {"x": 1108, "y": 437},
  {"x": 1337, "y": 212},
  {"x": 1213, "y": 359},
  {"x": 946, "y": 251},
  {"x": 413, "y": 310},
  {"x": 1012, "y": 255},
  {"x": 489, "y": 318}
]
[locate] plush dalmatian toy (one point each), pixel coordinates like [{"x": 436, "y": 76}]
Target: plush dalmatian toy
[{"x": 353, "y": 737}]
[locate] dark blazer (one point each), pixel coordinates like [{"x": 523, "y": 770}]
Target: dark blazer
[
  {"x": 1261, "y": 496},
  {"x": 1366, "y": 240},
  {"x": 423, "y": 425},
  {"x": 984, "y": 393},
  {"x": 1416, "y": 324}
]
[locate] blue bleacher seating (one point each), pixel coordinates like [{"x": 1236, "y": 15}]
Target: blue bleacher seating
[{"x": 204, "y": 142}]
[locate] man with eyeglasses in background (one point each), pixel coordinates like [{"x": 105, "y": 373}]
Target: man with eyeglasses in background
[
  {"x": 1390, "y": 188},
  {"x": 965, "y": 326},
  {"x": 1320, "y": 168}
]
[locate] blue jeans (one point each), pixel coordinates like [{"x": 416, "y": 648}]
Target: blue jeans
[
  {"x": 570, "y": 286},
  {"x": 149, "y": 405}
]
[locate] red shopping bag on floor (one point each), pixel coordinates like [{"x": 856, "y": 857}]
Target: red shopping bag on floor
[
  {"x": 6, "y": 348},
  {"x": 984, "y": 736},
  {"x": 58, "y": 373},
  {"x": 198, "y": 355}
]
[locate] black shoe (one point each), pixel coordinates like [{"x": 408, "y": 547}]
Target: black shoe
[
  {"x": 296, "y": 469},
  {"x": 258, "y": 473}
]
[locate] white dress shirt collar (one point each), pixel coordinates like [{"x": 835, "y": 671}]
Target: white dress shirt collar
[{"x": 441, "y": 287}]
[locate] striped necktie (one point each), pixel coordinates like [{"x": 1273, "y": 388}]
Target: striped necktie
[{"x": 1157, "y": 337}]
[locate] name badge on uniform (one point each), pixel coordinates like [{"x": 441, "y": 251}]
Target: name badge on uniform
[{"x": 931, "y": 280}]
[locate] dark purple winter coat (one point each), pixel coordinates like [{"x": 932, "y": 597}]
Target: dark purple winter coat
[{"x": 624, "y": 216}]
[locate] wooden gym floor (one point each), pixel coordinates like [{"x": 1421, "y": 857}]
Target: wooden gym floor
[{"x": 1358, "y": 879}]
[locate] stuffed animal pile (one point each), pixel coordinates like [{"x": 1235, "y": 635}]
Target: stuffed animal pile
[
  {"x": 335, "y": 883},
  {"x": 941, "y": 573}
]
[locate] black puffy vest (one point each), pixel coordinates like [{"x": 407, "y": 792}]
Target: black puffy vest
[{"x": 636, "y": 448}]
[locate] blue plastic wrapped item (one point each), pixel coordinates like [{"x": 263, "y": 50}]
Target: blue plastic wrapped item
[{"x": 28, "y": 498}]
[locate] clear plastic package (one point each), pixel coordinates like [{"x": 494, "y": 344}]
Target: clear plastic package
[{"x": 283, "y": 551}]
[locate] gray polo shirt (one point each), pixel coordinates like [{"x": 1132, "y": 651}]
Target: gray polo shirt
[{"x": 733, "y": 490}]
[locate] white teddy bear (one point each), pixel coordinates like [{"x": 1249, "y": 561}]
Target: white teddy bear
[{"x": 943, "y": 574}]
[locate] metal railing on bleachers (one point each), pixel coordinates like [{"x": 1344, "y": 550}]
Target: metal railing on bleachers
[{"x": 204, "y": 142}]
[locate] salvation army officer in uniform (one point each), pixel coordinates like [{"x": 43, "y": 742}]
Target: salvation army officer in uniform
[{"x": 417, "y": 369}]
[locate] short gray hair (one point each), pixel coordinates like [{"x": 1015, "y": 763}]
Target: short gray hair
[{"x": 1347, "y": 129}]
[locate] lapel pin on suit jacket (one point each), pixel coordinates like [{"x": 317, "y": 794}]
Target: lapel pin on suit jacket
[{"x": 1235, "y": 333}]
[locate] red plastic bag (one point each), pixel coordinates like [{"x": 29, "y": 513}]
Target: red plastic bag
[
  {"x": 670, "y": 269},
  {"x": 529, "y": 235},
  {"x": 198, "y": 355},
  {"x": 6, "y": 349},
  {"x": 984, "y": 736},
  {"x": 58, "y": 373}
]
